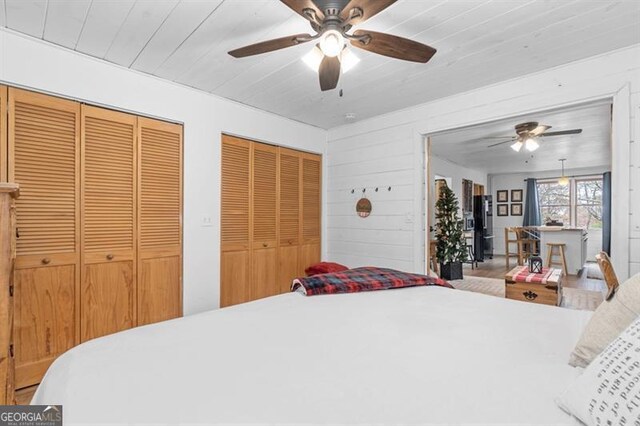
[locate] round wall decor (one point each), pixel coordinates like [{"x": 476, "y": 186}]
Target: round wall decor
[{"x": 363, "y": 207}]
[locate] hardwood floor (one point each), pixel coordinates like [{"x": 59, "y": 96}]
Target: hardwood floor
[
  {"x": 23, "y": 396},
  {"x": 496, "y": 268}
]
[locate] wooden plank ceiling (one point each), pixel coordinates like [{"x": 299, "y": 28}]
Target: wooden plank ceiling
[
  {"x": 468, "y": 146},
  {"x": 479, "y": 42}
]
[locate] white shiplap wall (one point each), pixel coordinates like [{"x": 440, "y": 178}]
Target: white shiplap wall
[
  {"x": 402, "y": 132},
  {"x": 368, "y": 161},
  {"x": 634, "y": 176}
]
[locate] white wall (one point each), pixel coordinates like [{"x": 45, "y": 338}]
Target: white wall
[
  {"x": 511, "y": 181},
  {"x": 385, "y": 238},
  {"x": 402, "y": 131},
  {"x": 456, "y": 173},
  {"x": 444, "y": 167},
  {"x": 34, "y": 64}
]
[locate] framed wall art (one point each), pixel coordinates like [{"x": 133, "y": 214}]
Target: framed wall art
[
  {"x": 503, "y": 196},
  {"x": 516, "y": 195},
  {"x": 503, "y": 209}
]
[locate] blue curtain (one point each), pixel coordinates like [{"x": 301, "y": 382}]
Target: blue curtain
[
  {"x": 532, "y": 205},
  {"x": 606, "y": 212}
]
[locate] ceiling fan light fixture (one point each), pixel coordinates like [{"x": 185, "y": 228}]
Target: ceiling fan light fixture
[
  {"x": 531, "y": 144},
  {"x": 332, "y": 43},
  {"x": 348, "y": 60},
  {"x": 517, "y": 146},
  {"x": 313, "y": 58}
]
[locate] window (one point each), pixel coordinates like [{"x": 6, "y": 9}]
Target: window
[
  {"x": 555, "y": 202},
  {"x": 589, "y": 203},
  {"x": 577, "y": 204}
]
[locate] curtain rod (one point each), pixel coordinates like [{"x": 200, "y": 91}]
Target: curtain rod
[{"x": 572, "y": 176}]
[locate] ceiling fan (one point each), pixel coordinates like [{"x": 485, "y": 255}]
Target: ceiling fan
[
  {"x": 331, "y": 20},
  {"x": 527, "y": 135}
]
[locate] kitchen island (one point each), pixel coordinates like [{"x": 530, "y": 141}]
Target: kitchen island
[{"x": 575, "y": 240}]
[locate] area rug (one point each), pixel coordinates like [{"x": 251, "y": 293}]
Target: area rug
[{"x": 574, "y": 298}]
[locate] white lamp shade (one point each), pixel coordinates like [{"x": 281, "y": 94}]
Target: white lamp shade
[
  {"x": 531, "y": 144},
  {"x": 348, "y": 60},
  {"x": 331, "y": 43},
  {"x": 517, "y": 146},
  {"x": 313, "y": 58}
]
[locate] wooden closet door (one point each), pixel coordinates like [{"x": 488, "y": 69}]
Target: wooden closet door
[
  {"x": 235, "y": 259},
  {"x": 289, "y": 218},
  {"x": 311, "y": 177},
  {"x": 108, "y": 222},
  {"x": 44, "y": 159},
  {"x": 160, "y": 221},
  {"x": 264, "y": 221},
  {"x": 4, "y": 162}
]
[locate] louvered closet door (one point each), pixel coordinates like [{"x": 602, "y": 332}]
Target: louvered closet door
[
  {"x": 160, "y": 221},
  {"x": 311, "y": 177},
  {"x": 235, "y": 230},
  {"x": 265, "y": 223},
  {"x": 289, "y": 218},
  {"x": 108, "y": 222},
  {"x": 3, "y": 133},
  {"x": 44, "y": 158}
]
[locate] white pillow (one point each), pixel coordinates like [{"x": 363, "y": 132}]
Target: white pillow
[
  {"x": 608, "y": 391},
  {"x": 607, "y": 322}
]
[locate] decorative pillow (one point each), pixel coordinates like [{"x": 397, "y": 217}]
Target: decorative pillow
[
  {"x": 324, "y": 268},
  {"x": 607, "y": 322},
  {"x": 608, "y": 391}
]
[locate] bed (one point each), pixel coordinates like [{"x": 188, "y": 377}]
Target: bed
[{"x": 427, "y": 355}]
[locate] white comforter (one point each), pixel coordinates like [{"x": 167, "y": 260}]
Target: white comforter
[{"x": 418, "y": 355}]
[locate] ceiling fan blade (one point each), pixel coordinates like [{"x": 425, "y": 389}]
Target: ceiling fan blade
[
  {"x": 539, "y": 130},
  {"x": 301, "y": 7},
  {"x": 329, "y": 73},
  {"x": 368, "y": 9},
  {"x": 501, "y": 143},
  {"x": 563, "y": 132},
  {"x": 270, "y": 45},
  {"x": 393, "y": 46}
]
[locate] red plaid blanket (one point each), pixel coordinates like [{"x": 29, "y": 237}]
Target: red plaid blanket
[
  {"x": 524, "y": 276},
  {"x": 363, "y": 279}
]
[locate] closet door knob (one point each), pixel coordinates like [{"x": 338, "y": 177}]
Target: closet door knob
[
  {"x": 109, "y": 256},
  {"x": 46, "y": 261},
  {"x": 265, "y": 245}
]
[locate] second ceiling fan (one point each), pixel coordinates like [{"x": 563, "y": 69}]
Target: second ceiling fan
[
  {"x": 331, "y": 20},
  {"x": 527, "y": 133}
]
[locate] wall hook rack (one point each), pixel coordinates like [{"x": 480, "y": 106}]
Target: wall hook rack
[{"x": 375, "y": 189}]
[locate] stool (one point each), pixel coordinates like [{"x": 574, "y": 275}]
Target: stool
[
  {"x": 551, "y": 254},
  {"x": 472, "y": 258},
  {"x": 507, "y": 245}
]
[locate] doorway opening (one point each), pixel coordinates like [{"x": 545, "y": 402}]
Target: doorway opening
[{"x": 489, "y": 174}]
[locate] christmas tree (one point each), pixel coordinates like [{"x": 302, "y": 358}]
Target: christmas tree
[{"x": 449, "y": 233}]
